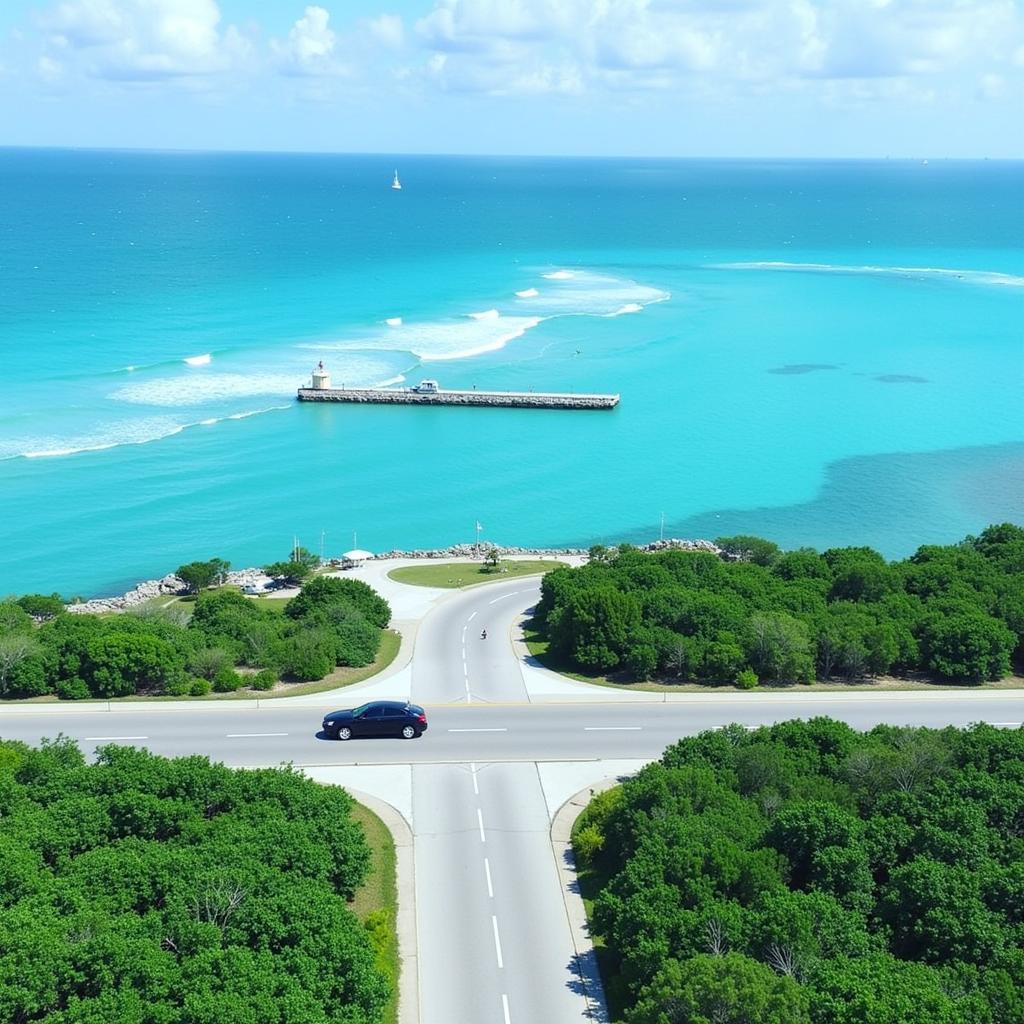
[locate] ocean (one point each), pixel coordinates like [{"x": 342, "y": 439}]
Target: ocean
[{"x": 823, "y": 353}]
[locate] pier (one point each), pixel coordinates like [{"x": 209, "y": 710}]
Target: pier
[{"x": 428, "y": 392}]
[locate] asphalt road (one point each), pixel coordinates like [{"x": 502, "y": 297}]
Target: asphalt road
[
  {"x": 483, "y": 732},
  {"x": 494, "y": 941}
]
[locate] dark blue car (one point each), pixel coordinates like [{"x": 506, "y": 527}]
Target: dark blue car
[{"x": 379, "y": 718}]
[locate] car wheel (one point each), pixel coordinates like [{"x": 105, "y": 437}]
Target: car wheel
[
  {"x": 344, "y": 733},
  {"x": 408, "y": 732}
]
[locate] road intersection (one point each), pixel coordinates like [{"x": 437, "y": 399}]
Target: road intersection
[{"x": 509, "y": 744}]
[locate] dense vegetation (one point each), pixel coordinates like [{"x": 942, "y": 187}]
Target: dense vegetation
[
  {"x": 762, "y": 615},
  {"x": 809, "y": 874},
  {"x": 144, "y": 890},
  {"x": 45, "y": 650}
]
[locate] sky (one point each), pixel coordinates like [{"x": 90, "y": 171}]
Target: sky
[{"x": 734, "y": 78}]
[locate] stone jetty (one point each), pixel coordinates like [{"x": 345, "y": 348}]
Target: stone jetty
[{"x": 496, "y": 399}]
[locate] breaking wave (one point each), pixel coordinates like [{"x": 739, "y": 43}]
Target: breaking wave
[
  {"x": 979, "y": 277},
  {"x": 571, "y": 293},
  {"x": 204, "y": 360},
  {"x": 117, "y": 435}
]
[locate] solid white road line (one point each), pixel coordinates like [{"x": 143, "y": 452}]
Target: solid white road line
[
  {"x": 480, "y": 822},
  {"x": 504, "y": 1006},
  {"x": 497, "y": 943},
  {"x": 503, "y": 729},
  {"x": 472, "y": 771},
  {"x": 612, "y": 728},
  {"x": 505, "y": 597},
  {"x": 98, "y": 739},
  {"x": 487, "y": 871},
  {"x": 252, "y": 735},
  {"x": 471, "y": 618}
]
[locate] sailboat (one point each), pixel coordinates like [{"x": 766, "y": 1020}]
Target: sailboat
[{"x": 396, "y": 183}]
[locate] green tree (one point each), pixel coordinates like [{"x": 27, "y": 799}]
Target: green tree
[
  {"x": 42, "y": 606},
  {"x": 750, "y": 549},
  {"x": 968, "y": 646},
  {"x": 323, "y": 591},
  {"x": 595, "y": 626},
  {"x": 729, "y": 989},
  {"x": 199, "y": 575},
  {"x": 119, "y": 664},
  {"x": 778, "y": 647}
]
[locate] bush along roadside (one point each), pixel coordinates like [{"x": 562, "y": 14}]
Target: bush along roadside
[
  {"x": 230, "y": 642},
  {"x": 755, "y": 614}
]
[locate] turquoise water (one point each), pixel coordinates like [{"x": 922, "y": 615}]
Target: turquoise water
[{"x": 824, "y": 353}]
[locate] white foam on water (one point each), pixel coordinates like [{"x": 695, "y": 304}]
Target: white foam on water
[
  {"x": 390, "y": 382},
  {"x": 579, "y": 293},
  {"x": 559, "y": 275},
  {"x": 204, "y": 360},
  {"x": 117, "y": 435},
  {"x": 980, "y": 277},
  {"x": 184, "y": 390},
  {"x": 436, "y": 340},
  {"x": 394, "y": 321}
]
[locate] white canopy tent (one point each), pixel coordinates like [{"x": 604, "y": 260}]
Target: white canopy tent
[{"x": 357, "y": 555}]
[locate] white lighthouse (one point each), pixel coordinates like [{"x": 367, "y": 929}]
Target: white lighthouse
[{"x": 321, "y": 378}]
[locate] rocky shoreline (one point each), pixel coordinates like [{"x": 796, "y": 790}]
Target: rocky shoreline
[{"x": 172, "y": 586}]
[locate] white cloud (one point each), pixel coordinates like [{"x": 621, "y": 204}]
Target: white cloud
[
  {"x": 310, "y": 46},
  {"x": 626, "y": 43},
  {"x": 387, "y": 29},
  {"x": 143, "y": 39}
]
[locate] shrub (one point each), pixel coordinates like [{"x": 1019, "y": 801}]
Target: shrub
[
  {"x": 199, "y": 688},
  {"x": 180, "y": 687},
  {"x": 265, "y": 679},
  {"x": 747, "y": 679},
  {"x": 587, "y": 844},
  {"x": 73, "y": 689},
  {"x": 207, "y": 662},
  {"x": 227, "y": 680}
]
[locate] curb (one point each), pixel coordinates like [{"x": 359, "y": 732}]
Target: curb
[
  {"x": 579, "y": 926},
  {"x": 405, "y": 915}
]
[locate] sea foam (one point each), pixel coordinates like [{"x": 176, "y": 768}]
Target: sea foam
[
  {"x": 979, "y": 277},
  {"x": 487, "y": 314},
  {"x": 559, "y": 275},
  {"x": 527, "y": 293},
  {"x": 120, "y": 434},
  {"x": 394, "y": 321},
  {"x": 203, "y": 360},
  {"x": 186, "y": 390}
]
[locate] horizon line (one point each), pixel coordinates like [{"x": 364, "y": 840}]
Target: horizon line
[{"x": 190, "y": 151}]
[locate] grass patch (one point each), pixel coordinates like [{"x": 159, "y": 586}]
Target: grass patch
[
  {"x": 592, "y": 879},
  {"x": 452, "y": 575},
  {"x": 376, "y": 903}
]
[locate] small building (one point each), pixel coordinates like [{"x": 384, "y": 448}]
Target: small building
[{"x": 321, "y": 378}]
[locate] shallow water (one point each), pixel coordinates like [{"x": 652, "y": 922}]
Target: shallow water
[{"x": 823, "y": 353}]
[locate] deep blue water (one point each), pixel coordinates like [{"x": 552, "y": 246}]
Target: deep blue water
[{"x": 823, "y": 352}]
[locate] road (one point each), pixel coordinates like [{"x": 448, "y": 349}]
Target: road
[{"x": 505, "y": 747}]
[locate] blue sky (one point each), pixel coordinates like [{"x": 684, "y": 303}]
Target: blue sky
[{"x": 824, "y": 78}]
